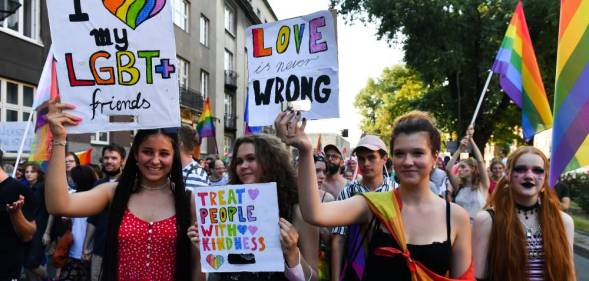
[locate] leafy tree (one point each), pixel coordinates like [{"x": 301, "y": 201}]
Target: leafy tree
[{"x": 452, "y": 44}]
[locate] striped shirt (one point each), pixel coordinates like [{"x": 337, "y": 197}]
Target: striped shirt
[
  {"x": 535, "y": 266},
  {"x": 353, "y": 188},
  {"x": 194, "y": 176}
]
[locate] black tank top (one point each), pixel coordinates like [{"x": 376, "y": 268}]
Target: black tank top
[{"x": 436, "y": 256}]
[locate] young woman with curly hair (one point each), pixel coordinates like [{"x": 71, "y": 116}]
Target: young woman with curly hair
[
  {"x": 524, "y": 235},
  {"x": 262, "y": 159}
]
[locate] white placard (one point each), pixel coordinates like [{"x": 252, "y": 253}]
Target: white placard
[
  {"x": 239, "y": 223},
  {"x": 116, "y": 58},
  {"x": 11, "y": 134},
  {"x": 291, "y": 60}
]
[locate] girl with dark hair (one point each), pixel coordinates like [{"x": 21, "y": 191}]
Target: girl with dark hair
[
  {"x": 71, "y": 161},
  {"x": 35, "y": 268},
  {"x": 261, "y": 159},
  {"x": 76, "y": 268},
  {"x": 471, "y": 186},
  {"x": 408, "y": 234},
  {"x": 136, "y": 230},
  {"x": 323, "y": 265},
  {"x": 524, "y": 235}
]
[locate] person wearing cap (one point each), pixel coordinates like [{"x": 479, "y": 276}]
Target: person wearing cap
[
  {"x": 334, "y": 181},
  {"x": 371, "y": 154}
]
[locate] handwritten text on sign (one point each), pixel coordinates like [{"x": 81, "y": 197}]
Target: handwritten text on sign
[
  {"x": 116, "y": 58},
  {"x": 290, "y": 60},
  {"x": 238, "y": 227}
]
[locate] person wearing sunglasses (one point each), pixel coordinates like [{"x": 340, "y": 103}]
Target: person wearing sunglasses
[
  {"x": 523, "y": 235},
  {"x": 142, "y": 242}
]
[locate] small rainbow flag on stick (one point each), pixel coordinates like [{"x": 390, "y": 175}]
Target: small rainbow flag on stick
[
  {"x": 519, "y": 75},
  {"x": 206, "y": 124},
  {"x": 570, "y": 141}
]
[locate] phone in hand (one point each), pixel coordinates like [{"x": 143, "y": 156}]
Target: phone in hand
[{"x": 299, "y": 105}]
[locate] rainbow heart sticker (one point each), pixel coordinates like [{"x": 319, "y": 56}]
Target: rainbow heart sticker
[
  {"x": 134, "y": 12},
  {"x": 215, "y": 261}
]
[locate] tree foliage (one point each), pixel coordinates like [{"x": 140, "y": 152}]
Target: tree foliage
[{"x": 451, "y": 44}]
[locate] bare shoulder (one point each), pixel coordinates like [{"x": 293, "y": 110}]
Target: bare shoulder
[
  {"x": 327, "y": 197},
  {"x": 567, "y": 220},
  {"x": 483, "y": 221},
  {"x": 459, "y": 214}
]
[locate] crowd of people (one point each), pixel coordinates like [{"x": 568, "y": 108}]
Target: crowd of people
[{"x": 396, "y": 212}]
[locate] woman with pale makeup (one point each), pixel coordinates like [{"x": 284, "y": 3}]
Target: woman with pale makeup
[
  {"x": 412, "y": 233},
  {"x": 151, "y": 177},
  {"x": 262, "y": 159},
  {"x": 523, "y": 235}
]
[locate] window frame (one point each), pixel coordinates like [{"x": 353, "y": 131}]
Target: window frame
[
  {"x": 95, "y": 138},
  {"x": 204, "y": 30},
  {"x": 19, "y": 107},
  {"x": 35, "y": 23},
  {"x": 185, "y": 15},
  {"x": 229, "y": 21},
  {"x": 204, "y": 83},
  {"x": 183, "y": 68}
]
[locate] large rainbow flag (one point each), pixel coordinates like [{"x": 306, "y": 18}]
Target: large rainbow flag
[
  {"x": 570, "y": 144},
  {"x": 206, "y": 124},
  {"x": 47, "y": 88},
  {"x": 519, "y": 75}
]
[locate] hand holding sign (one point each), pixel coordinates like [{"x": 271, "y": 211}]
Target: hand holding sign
[
  {"x": 58, "y": 119},
  {"x": 289, "y": 131}
]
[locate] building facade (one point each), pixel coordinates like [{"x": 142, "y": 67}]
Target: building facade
[{"x": 212, "y": 62}]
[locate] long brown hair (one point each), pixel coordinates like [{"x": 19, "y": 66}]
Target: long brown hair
[
  {"x": 507, "y": 245},
  {"x": 275, "y": 161}
]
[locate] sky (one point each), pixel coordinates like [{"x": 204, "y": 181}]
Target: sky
[{"x": 361, "y": 56}]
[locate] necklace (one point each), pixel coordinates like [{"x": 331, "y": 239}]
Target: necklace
[
  {"x": 527, "y": 209},
  {"x": 533, "y": 233},
  {"x": 147, "y": 187}
]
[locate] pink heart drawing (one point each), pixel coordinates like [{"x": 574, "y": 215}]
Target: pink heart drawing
[
  {"x": 252, "y": 229},
  {"x": 253, "y": 193}
]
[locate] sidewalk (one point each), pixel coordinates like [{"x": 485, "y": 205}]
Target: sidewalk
[{"x": 582, "y": 244}]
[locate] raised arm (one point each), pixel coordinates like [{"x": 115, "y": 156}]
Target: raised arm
[
  {"x": 454, "y": 180},
  {"x": 313, "y": 211},
  {"x": 485, "y": 183},
  {"x": 57, "y": 198}
]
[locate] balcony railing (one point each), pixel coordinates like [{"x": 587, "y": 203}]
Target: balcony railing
[
  {"x": 229, "y": 121},
  {"x": 231, "y": 78},
  {"x": 191, "y": 98}
]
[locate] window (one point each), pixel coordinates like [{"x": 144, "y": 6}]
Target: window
[
  {"x": 16, "y": 100},
  {"x": 228, "y": 60},
  {"x": 100, "y": 138},
  {"x": 180, "y": 14},
  {"x": 229, "y": 19},
  {"x": 228, "y": 106},
  {"x": 183, "y": 72},
  {"x": 26, "y": 20},
  {"x": 227, "y": 144},
  {"x": 204, "y": 83},
  {"x": 204, "y": 30}
]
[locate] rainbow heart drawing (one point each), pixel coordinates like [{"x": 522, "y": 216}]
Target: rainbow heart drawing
[
  {"x": 134, "y": 12},
  {"x": 215, "y": 261}
]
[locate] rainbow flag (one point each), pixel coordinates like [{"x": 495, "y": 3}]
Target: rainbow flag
[
  {"x": 519, "y": 75},
  {"x": 47, "y": 88},
  {"x": 206, "y": 124},
  {"x": 85, "y": 156},
  {"x": 570, "y": 144}
]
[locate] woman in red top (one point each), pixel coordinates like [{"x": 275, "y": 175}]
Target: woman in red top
[{"x": 144, "y": 242}]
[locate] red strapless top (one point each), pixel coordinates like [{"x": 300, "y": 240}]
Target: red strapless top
[{"x": 147, "y": 250}]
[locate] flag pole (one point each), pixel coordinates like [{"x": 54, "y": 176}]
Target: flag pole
[
  {"x": 22, "y": 144},
  {"x": 476, "y": 112}
]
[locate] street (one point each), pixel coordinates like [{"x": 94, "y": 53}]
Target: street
[{"x": 582, "y": 267}]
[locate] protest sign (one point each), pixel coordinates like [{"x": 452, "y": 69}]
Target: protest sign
[
  {"x": 116, "y": 58},
  {"x": 11, "y": 134},
  {"x": 290, "y": 60},
  {"x": 238, "y": 227}
]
